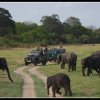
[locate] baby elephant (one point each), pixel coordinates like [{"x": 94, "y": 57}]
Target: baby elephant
[{"x": 57, "y": 81}]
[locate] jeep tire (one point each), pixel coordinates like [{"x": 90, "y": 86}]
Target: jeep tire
[{"x": 43, "y": 62}]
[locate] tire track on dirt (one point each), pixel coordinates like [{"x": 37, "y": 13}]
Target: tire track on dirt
[
  {"x": 35, "y": 71},
  {"x": 28, "y": 87}
]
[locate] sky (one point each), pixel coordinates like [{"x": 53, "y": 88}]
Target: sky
[{"x": 87, "y": 12}]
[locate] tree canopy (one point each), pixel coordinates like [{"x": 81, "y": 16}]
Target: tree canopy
[
  {"x": 51, "y": 30},
  {"x": 7, "y": 25}
]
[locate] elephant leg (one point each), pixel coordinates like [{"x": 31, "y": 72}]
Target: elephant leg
[
  {"x": 69, "y": 67},
  {"x": 53, "y": 91},
  {"x": 57, "y": 91},
  {"x": 83, "y": 71},
  {"x": 48, "y": 89},
  {"x": 66, "y": 93},
  {"x": 97, "y": 70},
  {"x": 5, "y": 66},
  {"x": 88, "y": 71},
  {"x": 75, "y": 66},
  {"x": 7, "y": 70},
  {"x": 62, "y": 65},
  {"x": 72, "y": 67},
  {"x": 69, "y": 90},
  {"x": 91, "y": 71}
]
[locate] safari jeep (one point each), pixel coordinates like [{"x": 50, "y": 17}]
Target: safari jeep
[
  {"x": 35, "y": 57},
  {"x": 53, "y": 53}
]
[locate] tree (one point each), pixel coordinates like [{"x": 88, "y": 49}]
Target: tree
[
  {"x": 70, "y": 38},
  {"x": 84, "y": 39},
  {"x": 7, "y": 25},
  {"x": 27, "y": 37},
  {"x": 24, "y": 27},
  {"x": 52, "y": 23},
  {"x": 73, "y": 21},
  {"x": 96, "y": 36}
]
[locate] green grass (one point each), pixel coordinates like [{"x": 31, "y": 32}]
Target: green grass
[
  {"x": 14, "y": 58},
  {"x": 81, "y": 86}
]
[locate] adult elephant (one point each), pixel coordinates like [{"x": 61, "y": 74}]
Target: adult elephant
[
  {"x": 4, "y": 66},
  {"x": 90, "y": 62},
  {"x": 69, "y": 58},
  {"x": 96, "y": 53}
]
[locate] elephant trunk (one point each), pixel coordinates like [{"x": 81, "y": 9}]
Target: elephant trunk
[
  {"x": 9, "y": 75},
  {"x": 70, "y": 92}
]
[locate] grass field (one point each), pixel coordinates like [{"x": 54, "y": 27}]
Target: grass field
[
  {"x": 14, "y": 58},
  {"x": 81, "y": 86}
]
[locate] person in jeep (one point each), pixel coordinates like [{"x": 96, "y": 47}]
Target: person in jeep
[{"x": 45, "y": 49}]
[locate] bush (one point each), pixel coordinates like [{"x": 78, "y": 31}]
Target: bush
[
  {"x": 5, "y": 42},
  {"x": 27, "y": 37}
]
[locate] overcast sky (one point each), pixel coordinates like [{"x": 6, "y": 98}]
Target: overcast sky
[{"x": 87, "y": 12}]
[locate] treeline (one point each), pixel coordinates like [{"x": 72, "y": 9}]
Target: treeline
[{"x": 51, "y": 31}]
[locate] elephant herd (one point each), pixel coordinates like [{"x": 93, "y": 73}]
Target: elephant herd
[
  {"x": 90, "y": 62},
  {"x": 62, "y": 80}
]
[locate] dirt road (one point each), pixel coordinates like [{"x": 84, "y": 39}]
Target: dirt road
[
  {"x": 28, "y": 87},
  {"x": 35, "y": 71}
]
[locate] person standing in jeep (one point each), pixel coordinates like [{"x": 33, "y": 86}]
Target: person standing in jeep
[{"x": 45, "y": 49}]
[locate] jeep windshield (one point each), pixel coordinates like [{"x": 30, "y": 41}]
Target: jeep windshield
[
  {"x": 33, "y": 52},
  {"x": 36, "y": 53}
]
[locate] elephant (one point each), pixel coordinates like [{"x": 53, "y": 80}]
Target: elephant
[
  {"x": 90, "y": 62},
  {"x": 58, "y": 81},
  {"x": 69, "y": 58},
  {"x": 96, "y": 53},
  {"x": 4, "y": 66}
]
